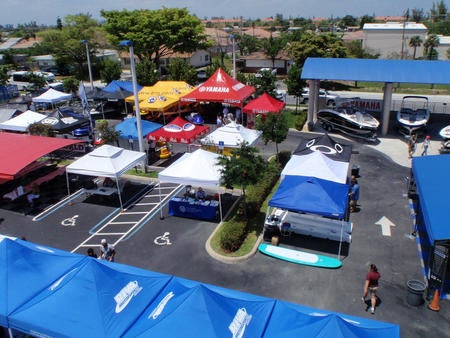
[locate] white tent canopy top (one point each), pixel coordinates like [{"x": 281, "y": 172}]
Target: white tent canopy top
[
  {"x": 316, "y": 164},
  {"x": 197, "y": 169},
  {"x": 52, "y": 96},
  {"x": 106, "y": 161},
  {"x": 232, "y": 135},
  {"x": 22, "y": 121}
]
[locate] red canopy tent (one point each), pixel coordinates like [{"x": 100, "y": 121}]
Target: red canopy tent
[
  {"x": 19, "y": 150},
  {"x": 220, "y": 87},
  {"x": 178, "y": 131},
  {"x": 264, "y": 104}
]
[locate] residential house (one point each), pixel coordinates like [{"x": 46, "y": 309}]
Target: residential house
[{"x": 257, "y": 60}]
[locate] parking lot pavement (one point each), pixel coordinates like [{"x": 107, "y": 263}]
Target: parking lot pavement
[{"x": 383, "y": 190}]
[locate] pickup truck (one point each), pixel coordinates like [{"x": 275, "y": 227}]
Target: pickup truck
[{"x": 330, "y": 99}]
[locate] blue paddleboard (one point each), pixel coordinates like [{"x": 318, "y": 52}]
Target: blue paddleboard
[{"x": 300, "y": 257}]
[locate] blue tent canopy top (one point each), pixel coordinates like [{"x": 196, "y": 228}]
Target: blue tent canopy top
[
  {"x": 377, "y": 70},
  {"x": 116, "y": 85},
  {"x": 311, "y": 195},
  {"x": 128, "y": 127},
  {"x": 432, "y": 177}
]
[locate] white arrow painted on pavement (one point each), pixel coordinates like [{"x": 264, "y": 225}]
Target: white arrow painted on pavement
[{"x": 386, "y": 225}]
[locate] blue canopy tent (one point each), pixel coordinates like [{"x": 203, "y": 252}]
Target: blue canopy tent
[
  {"x": 26, "y": 269},
  {"x": 431, "y": 177},
  {"x": 128, "y": 127},
  {"x": 292, "y": 320},
  {"x": 186, "y": 308},
  {"x": 94, "y": 299},
  {"x": 117, "y": 85},
  {"x": 311, "y": 195}
]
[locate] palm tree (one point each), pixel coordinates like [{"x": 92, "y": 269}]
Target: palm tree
[
  {"x": 414, "y": 42},
  {"x": 430, "y": 44}
]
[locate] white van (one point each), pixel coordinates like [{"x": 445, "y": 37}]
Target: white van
[{"x": 22, "y": 80}]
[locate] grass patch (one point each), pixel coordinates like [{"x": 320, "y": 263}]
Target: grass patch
[{"x": 140, "y": 173}]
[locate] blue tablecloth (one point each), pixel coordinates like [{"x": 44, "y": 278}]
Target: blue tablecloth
[{"x": 191, "y": 208}]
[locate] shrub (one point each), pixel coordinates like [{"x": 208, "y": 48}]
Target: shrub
[
  {"x": 233, "y": 235},
  {"x": 283, "y": 157},
  {"x": 301, "y": 120}
]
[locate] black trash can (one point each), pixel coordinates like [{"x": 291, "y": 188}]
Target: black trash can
[
  {"x": 416, "y": 290},
  {"x": 355, "y": 170}
]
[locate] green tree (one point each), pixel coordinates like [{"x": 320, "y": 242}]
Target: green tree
[
  {"x": 110, "y": 70},
  {"x": 180, "y": 70},
  {"x": 264, "y": 82},
  {"x": 108, "y": 134},
  {"x": 294, "y": 83},
  {"x": 355, "y": 50},
  {"x": 275, "y": 128},
  {"x": 365, "y": 19},
  {"x": 438, "y": 11},
  {"x": 71, "y": 84},
  {"x": 66, "y": 43},
  {"x": 146, "y": 72},
  {"x": 414, "y": 42},
  {"x": 3, "y": 75},
  {"x": 246, "y": 43},
  {"x": 37, "y": 82},
  {"x": 316, "y": 45},
  {"x": 156, "y": 33},
  {"x": 417, "y": 15},
  {"x": 430, "y": 44},
  {"x": 349, "y": 21},
  {"x": 243, "y": 168},
  {"x": 40, "y": 129},
  {"x": 272, "y": 47}
]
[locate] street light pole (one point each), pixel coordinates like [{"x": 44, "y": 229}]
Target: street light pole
[
  {"x": 135, "y": 92},
  {"x": 234, "y": 55},
  {"x": 89, "y": 63}
]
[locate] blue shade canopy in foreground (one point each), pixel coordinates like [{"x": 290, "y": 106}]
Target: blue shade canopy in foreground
[
  {"x": 94, "y": 299},
  {"x": 190, "y": 309},
  {"x": 311, "y": 195},
  {"x": 292, "y": 320},
  {"x": 432, "y": 178},
  {"x": 128, "y": 127},
  {"x": 377, "y": 70},
  {"x": 26, "y": 269}
]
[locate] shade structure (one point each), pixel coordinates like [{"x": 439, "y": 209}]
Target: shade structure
[
  {"x": 311, "y": 195},
  {"x": 264, "y": 104},
  {"x": 325, "y": 144},
  {"x": 128, "y": 128},
  {"x": 161, "y": 95},
  {"x": 178, "y": 131},
  {"x": 199, "y": 168},
  {"x": 21, "y": 150},
  {"x": 316, "y": 164},
  {"x": 23, "y": 121},
  {"x": 65, "y": 120},
  {"x": 220, "y": 87},
  {"x": 52, "y": 96},
  {"x": 117, "y": 85},
  {"x": 231, "y": 135}
]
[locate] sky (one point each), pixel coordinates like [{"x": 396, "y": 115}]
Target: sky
[{"x": 47, "y": 11}]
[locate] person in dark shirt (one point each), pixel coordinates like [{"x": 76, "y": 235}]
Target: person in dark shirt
[{"x": 371, "y": 285}]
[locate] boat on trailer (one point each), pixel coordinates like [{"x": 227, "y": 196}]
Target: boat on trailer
[{"x": 413, "y": 115}]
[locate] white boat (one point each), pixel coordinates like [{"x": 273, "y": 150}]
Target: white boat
[
  {"x": 349, "y": 120},
  {"x": 445, "y": 134},
  {"x": 413, "y": 114}
]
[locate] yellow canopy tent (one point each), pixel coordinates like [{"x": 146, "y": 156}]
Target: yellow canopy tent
[{"x": 161, "y": 97}]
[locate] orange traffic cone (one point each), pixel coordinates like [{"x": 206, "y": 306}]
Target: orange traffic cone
[{"x": 434, "y": 304}]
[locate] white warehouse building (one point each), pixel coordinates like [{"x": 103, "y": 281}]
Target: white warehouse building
[{"x": 386, "y": 39}]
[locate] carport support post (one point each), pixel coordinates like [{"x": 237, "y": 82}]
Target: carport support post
[
  {"x": 387, "y": 100},
  {"x": 311, "y": 103}
]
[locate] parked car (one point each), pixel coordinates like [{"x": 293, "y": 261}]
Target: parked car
[
  {"x": 330, "y": 99},
  {"x": 268, "y": 70}
]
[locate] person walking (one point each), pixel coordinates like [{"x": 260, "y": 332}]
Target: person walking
[
  {"x": 412, "y": 145},
  {"x": 426, "y": 145},
  {"x": 371, "y": 285},
  {"x": 107, "y": 251},
  {"x": 353, "y": 194}
]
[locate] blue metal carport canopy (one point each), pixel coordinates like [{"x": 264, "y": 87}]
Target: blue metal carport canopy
[{"x": 377, "y": 70}]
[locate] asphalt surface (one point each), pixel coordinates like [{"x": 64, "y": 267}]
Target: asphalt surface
[{"x": 383, "y": 169}]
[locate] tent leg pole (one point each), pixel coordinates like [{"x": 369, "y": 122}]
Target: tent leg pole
[
  {"x": 161, "y": 216},
  {"x": 120, "y": 194},
  {"x": 220, "y": 206},
  {"x": 68, "y": 186}
]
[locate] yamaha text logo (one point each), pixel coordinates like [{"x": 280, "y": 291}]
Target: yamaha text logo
[{"x": 126, "y": 294}]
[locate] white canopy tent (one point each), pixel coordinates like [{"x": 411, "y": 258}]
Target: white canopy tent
[
  {"x": 316, "y": 164},
  {"x": 199, "y": 168},
  {"x": 23, "y": 121},
  {"x": 231, "y": 136},
  {"x": 52, "y": 96},
  {"x": 106, "y": 161}
]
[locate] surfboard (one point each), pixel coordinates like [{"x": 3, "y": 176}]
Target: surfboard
[{"x": 300, "y": 257}]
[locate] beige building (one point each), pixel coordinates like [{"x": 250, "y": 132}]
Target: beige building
[
  {"x": 444, "y": 47},
  {"x": 390, "y": 39}
]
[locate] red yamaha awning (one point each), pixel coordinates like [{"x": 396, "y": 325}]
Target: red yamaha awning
[
  {"x": 264, "y": 104},
  {"x": 220, "y": 87},
  {"x": 178, "y": 131},
  {"x": 18, "y": 151}
]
